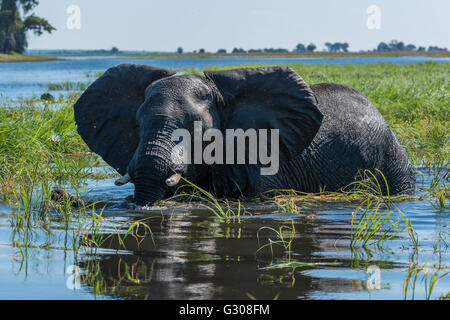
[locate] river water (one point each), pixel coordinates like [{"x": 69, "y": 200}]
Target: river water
[
  {"x": 191, "y": 254},
  {"x": 188, "y": 253},
  {"x": 30, "y": 79}
]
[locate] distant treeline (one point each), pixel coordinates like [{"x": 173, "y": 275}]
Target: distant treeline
[{"x": 394, "y": 45}]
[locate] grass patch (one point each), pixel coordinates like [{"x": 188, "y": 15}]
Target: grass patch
[
  {"x": 429, "y": 280},
  {"x": 17, "y": 57},
  {"x": 284, "y": 237},
  {"x": 37, "y": 144},
  {"x": 372, "y": 227},
  {"x": 220, "y": 208}
]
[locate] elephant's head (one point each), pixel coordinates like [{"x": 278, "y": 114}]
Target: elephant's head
[{"x": 130, "y": 114}]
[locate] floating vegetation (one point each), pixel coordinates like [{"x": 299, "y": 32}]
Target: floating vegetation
[
  {"x": 370, "y": 186},
  {"x": 220, "y": 208},
  {"x": 289, "y": 207}
]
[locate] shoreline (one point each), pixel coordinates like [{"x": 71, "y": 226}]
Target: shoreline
[
  {"x": 8, "y": 58},
  {"x": 293, "y": 54}
]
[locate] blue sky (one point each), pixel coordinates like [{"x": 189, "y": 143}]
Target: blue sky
[{"x": 194, "y": 24}]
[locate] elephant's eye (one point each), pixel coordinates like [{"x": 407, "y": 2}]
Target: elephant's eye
[{"x": 203, "y": 95}]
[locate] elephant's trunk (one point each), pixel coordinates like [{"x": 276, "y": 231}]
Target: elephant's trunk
[
  {"x": 151, "y": 166},
  {"x": 148, "y": 191}
]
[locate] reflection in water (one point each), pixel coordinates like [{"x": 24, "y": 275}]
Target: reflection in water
[
  {"x": 196, "y": 257},
  {"x": 189, "y": 254}
]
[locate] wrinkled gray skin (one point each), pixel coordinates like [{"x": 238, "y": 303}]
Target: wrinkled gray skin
[{"x": 329, "y": 133}]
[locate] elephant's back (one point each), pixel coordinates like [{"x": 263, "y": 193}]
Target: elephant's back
[
  {"x": 347, "y": 112},
  {"x": 354, "y": 136},
  {"x": 352, "y": 127}
]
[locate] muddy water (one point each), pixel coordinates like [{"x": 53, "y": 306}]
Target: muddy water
[{"x": 191, "y": 254}]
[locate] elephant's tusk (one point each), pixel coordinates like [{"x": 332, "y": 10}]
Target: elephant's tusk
[
  {"x": 173, "y": 180},
  {"x": 122, "y": 181}
]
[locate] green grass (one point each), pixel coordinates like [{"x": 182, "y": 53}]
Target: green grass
[
  {"x": 372, "y": 226},
  {"x": 40, "y": 150},
  {"x": 438, "y": 193},
  {"x": 39, "y": 144},
  {"x": 220, "y": 208},
  {"x": 17, "y": 57},
  {"x": 284, "y": 237},
  {"x": 430, "y": 278}
]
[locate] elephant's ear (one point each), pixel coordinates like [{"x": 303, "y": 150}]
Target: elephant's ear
[
  {"x": 106, "y": 112},
  {"x": 268, "y": 98}
]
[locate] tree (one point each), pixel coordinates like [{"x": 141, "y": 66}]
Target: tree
[
  {"x": 180, "y": 50},
  {"x": 436, "y": 48},
  {"x": 14, "y": 28},
  {"x": 201, "y": 51},
  {"x": 276, "y": 50},
  {"x": 311, "y": 47},
  {"x": 395, "y": 45},
  {"x": 221, "y": 51},
  {"x": 382, "y": 46},
  {"x": 238, "y": 50},
  {"x": 344, "y": 46},
  {"x": 114, "y": 50},
  {"x": 410, "y": 47},
  {"x": 300, "y": 48},
  {"x": 337, "y": 46}
]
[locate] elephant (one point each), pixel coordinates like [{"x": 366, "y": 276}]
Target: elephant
[{"x": 328, "y": 133}]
